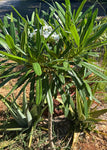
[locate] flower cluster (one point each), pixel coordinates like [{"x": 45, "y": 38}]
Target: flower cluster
[{"x": 46, "y": 30}]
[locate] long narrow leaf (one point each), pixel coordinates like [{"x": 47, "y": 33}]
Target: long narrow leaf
[
  {"x": 75, "y": 34},
  {"x": 12, "y": 28},
  {"x": 80, "y": 9},
  {"x": 50, "y": 101},
  {"x": 13, "y": 57},
  {"x": 94, "y": 69},
  {"x": 4, "y": 44},
  {"x": 97, "y": 113},
  {"x": 78, "y": 105},
  {"x": 19, "y": 14},
  {"x": 19, "y": 82},
  {"x": 97, "y": 34},
  {"x": 10, "y": 42},
  {"x": 38, "y": 91}
]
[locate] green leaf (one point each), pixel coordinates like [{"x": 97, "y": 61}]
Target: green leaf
[
  {"x": 8, "y": 73},
  {"x": 50, "y": 101},
  {"x": 72, "y": 104},
  {"x": 96, "y": 70},
  {"x": 23, "y": 45},
  {"x": 12, "y": 28},
  {"x": 38, "y": 91},
  {"x": 4, "y": 44},
  {"x": 13, "y": 57},
  {"x": 24, "y": 102},
  {"x": 52, "y": 53},
  {"x": 20, "y": 81},
  {"x": 60, "y": 18},
  {"x": 38, "y": 41},
  {"x": 32, "y": 18},
  {"x": 34, "y": 111},
  {"x": 83, "y": 94},
  {"x": 89, "y": 26},
  {"x": 68, "y": 14},
  {"x": 16, "y": 112},
  {"x": 95, "y": 45},
  {"x": 75, "y": 34},
  {"x": 78, "y": 107},
  {"x": 37, "y": 69},
  {"x": 20, "y": 50},
  {"x": 19, "y": 14},
  {"x": 60, "y": 8},
  {"x": 41, "y": 21},
  {"x": 89, "y": 90},
  {"x": 80, "y": 9},
  {"x": 59, "y": 67},
  {"x": 23, "y": 87},
  {"x": 6, "y": 24},
  {"x": 66, "y": 109},
  {"x": 32, "y": 91},
  {"x": 97, "y": 113},
  {"x": 66, "y": 64},
  {"x": 97, "y": 34},
  {"x": 7, "y": 80},
  {"x": 62, "y": 78},
  {"x": 10, "y": 43},
  {"x": 24, "y": 37},
  {"x": 4, "y": 30},
  {"x": 90, "y": 119},
  {"x": 63, "y": 96},
  {"x": 86, "y": 12},
  {"x": 29, "y": 117},
  {"x": 75, "y": 77}
]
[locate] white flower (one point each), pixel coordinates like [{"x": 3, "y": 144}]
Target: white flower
[
  {"x": 32, "y": 34},
  {"x": 46, "y": 30},
  {"x": 55, "y": 37}
]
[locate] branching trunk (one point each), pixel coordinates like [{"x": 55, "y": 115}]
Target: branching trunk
[{"x": 50, "y": 116}]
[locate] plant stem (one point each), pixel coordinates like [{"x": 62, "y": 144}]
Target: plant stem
[
  {"x": 75, "y": 140},
  {"x": 50, "y": 116},
  {"x": 31, "y": 136}
]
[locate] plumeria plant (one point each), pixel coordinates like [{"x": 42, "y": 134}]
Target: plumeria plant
[{"x": 55, "y": 59}]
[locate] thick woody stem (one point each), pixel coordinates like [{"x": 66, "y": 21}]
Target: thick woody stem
[{"x": 50, "y": 116}]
